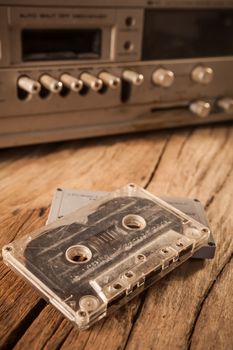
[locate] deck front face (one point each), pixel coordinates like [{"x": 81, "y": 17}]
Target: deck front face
[{"x": 158, "y": 69}]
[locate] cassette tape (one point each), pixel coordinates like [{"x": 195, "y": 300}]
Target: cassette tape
[
  {"x": 65, "y": 201},
  {"x": 90, "y": 262}
]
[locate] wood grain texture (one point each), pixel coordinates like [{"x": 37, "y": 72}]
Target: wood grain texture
[
  {"x": 187, "y": 307},
  {"x": 217, "y": 314}
]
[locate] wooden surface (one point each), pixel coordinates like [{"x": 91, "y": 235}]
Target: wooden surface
[{"x": 191, "y": 308}]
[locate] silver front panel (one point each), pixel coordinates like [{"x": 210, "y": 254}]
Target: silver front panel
[{"x": 39, "y": 117}]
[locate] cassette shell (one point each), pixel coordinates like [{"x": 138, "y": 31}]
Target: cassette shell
[{"x": 90, "y": 262}]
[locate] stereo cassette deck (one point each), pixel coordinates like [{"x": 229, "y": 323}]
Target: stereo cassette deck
[{"x": 78, "y": 69}]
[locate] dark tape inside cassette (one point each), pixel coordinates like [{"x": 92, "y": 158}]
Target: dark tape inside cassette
[
  {"x": 94, "y": 260},
  {"x": 66, "y": 201}
]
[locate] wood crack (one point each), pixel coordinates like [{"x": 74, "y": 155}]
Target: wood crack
[
  {"x": 62, "y": 340},
  {"x": 212, "y": 159},
  {"x": 22, "y": 327},
  {"x": 184, "y": 143},
  {"x": 86, "y": 341},
  {"x": 136, "y": 317},
  {"x": 157, "y": 162},
  {"x": 201, "y": 304},
  {"x": 216, "y": 192},
  {"x": 5, "y": 274},
  {"x": 23, "y": 223},
  {"x": 42, "y": 211}
]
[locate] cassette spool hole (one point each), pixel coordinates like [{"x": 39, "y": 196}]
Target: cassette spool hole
[
  {"x": 165, "y": 251},
  {"x": 78, "y": 254},
  {"x": 141, "y": 257},
  {"x": 117, "y": 286},
  {"x": 129, "y": 274},
  {"x": 134, "y": 222}
]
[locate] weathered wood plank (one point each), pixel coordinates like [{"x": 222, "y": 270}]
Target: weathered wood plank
[
  {"x": 216, "y": 317},
  {"x": 188, "y": 285},
  {"x": 108, "y": 333},
  {"x": 16, "y": 298},
  {"x": 192, "y": 162},
  {"x": 19, "y": 305},
  {"x": 196, "y": 165},
  {"x": 94, "y": 164},
  {"x": 171, "y": 307},
  {"x": 45, "y": 325}
]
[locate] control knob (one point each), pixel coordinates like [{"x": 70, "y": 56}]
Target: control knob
[
  {"x": 163, "y": 77},
  {"x": 202, "y": 75},
  {"x": 29, "y": 85},
  {"x": 71, "y": 82},
  {"x": 226, "y": 104},
  {"x": 110, "y": 80},
  {"x": 200, "y": 108},
  {"x": 133, "y": 77},
  {"x": 91, "y": 81},
  {"x": 50, "y": 83}
]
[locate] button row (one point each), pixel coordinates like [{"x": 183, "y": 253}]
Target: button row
[
  {"x": 70, "y": 82},
  {"x": 160, "y": 77},
  {"x": 203, "y": 108},
  {"x": 200, "y": 74}
]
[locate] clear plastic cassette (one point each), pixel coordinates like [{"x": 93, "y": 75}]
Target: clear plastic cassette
[
  {"x": 66, "y": 201},
  {"x": 92, "y": 261}
]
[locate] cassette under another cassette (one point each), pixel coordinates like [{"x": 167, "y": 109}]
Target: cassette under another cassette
[
  {"x": 66, "y": 201},
  {"x": 92, "y": 261}
]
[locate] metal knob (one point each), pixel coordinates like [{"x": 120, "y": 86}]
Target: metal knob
[
  {"x": 226, "y": 104},
  {"x": 110, "y": 80},
  {"x": 202, "y": 75},
  {"x": 71, "y": 82},
  {"x": 163, "y": 77},
  {"x": 50, "y": 83},
  {"x": 91, "y": 81},
  {"x": 133, "y": 77},
  {"x": 29, "y": 85},
  {"x": 200, "y": 108}
]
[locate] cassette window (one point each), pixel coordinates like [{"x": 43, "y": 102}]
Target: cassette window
[
  {"x": 61, "y": 44},
  {"x": 92, "y": 261}
]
